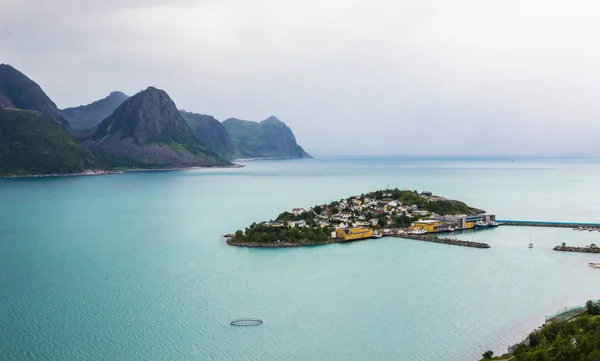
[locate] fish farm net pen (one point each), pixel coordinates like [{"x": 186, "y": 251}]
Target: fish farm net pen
[{"x": 247, "y": 322}]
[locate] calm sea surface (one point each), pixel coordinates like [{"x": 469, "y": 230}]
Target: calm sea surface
[{"x": 133, "y": 266}]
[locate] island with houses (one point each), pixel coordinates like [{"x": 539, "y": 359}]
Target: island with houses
[{"x": 392, "y": 212}]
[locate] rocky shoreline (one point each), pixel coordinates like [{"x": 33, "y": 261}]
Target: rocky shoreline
[
  {"x": 305, "y": 243},
  {"x": 301, "y": 243},
  {"x": 92, "y": 172},
  {"x": 449, "y": 241},
  {"x": 55, "y": 175}
]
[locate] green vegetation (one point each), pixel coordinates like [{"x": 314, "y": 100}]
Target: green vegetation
[
  {"x": 212, "y": 133},
  {"x": 33, "y": 144},
  {"x": 488, "y": 355},
  {"x": 261, "y": 233},
  {"x": 441, "y": 207},
  {"x": 572, "y": 340}
]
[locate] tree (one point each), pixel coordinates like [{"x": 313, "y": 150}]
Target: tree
[
  {"x": 592, "y": 308},
  {"x": 594, "y": 356},
  {"x": 488, "y": 355},
  {"x": 239, "y": 235}
]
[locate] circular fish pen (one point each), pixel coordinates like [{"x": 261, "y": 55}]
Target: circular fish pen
[{"x": 247, "y": 322}]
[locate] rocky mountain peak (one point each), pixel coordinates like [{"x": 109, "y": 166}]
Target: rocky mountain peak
[{"x": 18, "y": 91}]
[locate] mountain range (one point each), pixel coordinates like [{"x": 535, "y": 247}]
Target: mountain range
[
  {"x": 270, "y": 138},
  {"x": 145, "y": 130},
  {"x": 88, "y": 116}
]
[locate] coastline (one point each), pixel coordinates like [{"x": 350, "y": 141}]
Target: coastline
[
  {"x": 303, "y": 243},
  {"x": 57, "y": 175},
  {"x": 268, "y": 158},
  {"x": 94, "y": 172},
  {"x": 307, "y": 243}
]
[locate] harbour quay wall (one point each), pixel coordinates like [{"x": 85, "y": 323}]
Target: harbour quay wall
[{"x": 450, "y": 241}]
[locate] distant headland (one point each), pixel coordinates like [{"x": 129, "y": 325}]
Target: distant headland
[
  {"x": 390, "y": 212},
  {"x": 119, "y": 132}
]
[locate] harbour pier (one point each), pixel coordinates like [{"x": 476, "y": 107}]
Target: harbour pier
[
  {"x": 574, "y": 225},
  {"x": 450, "y": 241}
]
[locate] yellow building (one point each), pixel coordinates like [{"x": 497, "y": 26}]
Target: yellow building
[
  {"x": 351, "y": 234},
  {"x": 429, "y": 225}
]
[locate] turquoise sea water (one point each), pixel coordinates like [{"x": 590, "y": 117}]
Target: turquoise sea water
[{"x": 133, "y": 266}]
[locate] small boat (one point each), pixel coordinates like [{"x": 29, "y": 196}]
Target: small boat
[
  {"x": 481, "y": 224},
  {"x": 377, "y": 235},
  {"x": 530, "y": 243},
  {"x": 418, "y": 231},
  {"x": 493, "y": 224}
]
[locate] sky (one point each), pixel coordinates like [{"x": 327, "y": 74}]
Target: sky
[{"x": 369, "y": 77}]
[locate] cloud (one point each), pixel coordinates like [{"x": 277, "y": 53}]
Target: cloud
[{"x": 380, "y": 76}]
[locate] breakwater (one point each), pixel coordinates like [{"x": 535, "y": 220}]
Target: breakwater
[
  {"x": 589, "y": 249},
  {"x": 581, "y": 226},
  {"x": 450, "y": 241}
]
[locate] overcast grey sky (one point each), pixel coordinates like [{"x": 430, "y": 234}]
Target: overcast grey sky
[{"x": 349, "y": 77}]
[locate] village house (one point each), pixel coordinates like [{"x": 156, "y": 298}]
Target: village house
[
  {"x": 298, "y": 211},
  {"x": 273, "y": 224},
  {"x": 298, "y": 224}
]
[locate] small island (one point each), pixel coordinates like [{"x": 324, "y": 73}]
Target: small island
[
  {"x": 390, "y": 212},
  {"x": 590, "y": 249}
]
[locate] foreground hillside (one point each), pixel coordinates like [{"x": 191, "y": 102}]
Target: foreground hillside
[
  {"x": 575, "y": 339},
  {"x": 33, "y": 144}
]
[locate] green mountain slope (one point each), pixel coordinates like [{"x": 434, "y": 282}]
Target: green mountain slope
[
  {"x": 18, "y": 91},
  {"x": 148, "y": 131},
  {"x": 270, "y": 138},
  {"x": 211, "y": 132},
  {"x": 33, "y": 144}
]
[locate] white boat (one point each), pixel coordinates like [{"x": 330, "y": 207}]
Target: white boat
[
  {"x": 418, "y": 231},
  {"x": 530, "y": 244},
  {"x": 481, "y": 224}
]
